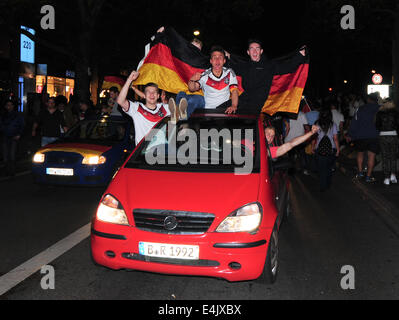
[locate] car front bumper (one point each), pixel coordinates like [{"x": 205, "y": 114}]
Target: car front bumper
[{"x": 234, "y": 256}]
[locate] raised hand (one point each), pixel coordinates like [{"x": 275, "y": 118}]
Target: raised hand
[{"x": 133, "y": 76}]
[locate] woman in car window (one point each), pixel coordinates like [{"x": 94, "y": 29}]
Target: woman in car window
[{"x": 278, "y": 151}]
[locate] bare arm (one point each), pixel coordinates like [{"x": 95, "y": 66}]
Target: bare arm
[
  {"x": 295, "y": 142},
  {"x": 122, "y": 101},
  {"x": 336, "y": 144},
  {"x": 193, "y": 84},
  {"x": 234, "y": 102},
  {"x": 138, "y": 92}
]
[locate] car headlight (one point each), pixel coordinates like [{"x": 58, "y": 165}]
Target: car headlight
[
  {"x": 245, "y": 219},
  {"x": 39, "y": 158},
  {"x": 110, "y": 210},
  {"x": 94, "y": 160}
]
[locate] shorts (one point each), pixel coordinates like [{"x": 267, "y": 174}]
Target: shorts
[{"x": 371, "y": 145}]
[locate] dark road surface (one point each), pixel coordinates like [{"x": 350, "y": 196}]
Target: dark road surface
[{"x": 325, "y": 232}]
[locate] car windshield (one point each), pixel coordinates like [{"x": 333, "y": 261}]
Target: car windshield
[
  {"x": 102, "y": 130},
  {"x": 201, "y": 144}
]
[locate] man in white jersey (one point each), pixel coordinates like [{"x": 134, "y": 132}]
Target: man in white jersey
[
  {"x": 219, "y": 85},
  {"x": 144, "y": 116}
]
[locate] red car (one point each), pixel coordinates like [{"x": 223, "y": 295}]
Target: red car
[{"x": 179, "y": 206}]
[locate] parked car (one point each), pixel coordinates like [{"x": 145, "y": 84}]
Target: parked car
[
  {"x": 88, "y": 154},
  {"x": 192, "y": 212}
]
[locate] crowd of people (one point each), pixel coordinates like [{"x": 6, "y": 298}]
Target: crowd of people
[
  {"x": 315, "y": 136},
  {"x": 368, "y": 126}
]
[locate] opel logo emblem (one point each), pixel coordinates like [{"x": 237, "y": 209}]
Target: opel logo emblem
[{"x": 170, "y": 223}]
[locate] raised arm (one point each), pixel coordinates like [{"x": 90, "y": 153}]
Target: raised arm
[
  {"x": 138, "y": 92},
  {"x": 295, "y": 142},
  {"x": 122, "y": 101}
]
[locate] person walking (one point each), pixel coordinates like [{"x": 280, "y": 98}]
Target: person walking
[
  {"x": 12, "y": 126},
  {"x": 326, "y": 148},
  {"x": 363, "y": 133},
  {"x": 387, "y": 123}
]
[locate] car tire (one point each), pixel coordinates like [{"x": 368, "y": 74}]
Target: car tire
[{"x": 271, "y": 266}]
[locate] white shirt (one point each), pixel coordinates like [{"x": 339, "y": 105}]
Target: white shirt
[
  {"x": 337, "y": 117},
  {"x": 145, "y": 119},
  {"x": 217, "y": 89},
  {"x": 297, "y": 127}
]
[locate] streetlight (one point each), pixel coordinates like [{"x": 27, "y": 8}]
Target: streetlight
[
  {"x": 197, "y": 33},
  {"x": 345, "y": 81},
  {"x": 373, "y": 71}
]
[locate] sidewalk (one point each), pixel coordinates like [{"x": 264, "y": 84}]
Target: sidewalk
[{"x": 385, "y": 199}]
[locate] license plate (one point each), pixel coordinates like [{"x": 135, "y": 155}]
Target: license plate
[
  {"x": 171, "y": 251},
  {"x": 59, "y": 172}
]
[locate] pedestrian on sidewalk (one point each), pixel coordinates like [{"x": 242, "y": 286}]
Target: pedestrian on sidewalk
[
  {"x": 387, "y": 123},
  {"x": 51, "y": 122},
  {"x": 364, "y": 134},
  {"x": 326, "y": 148},
  {"x": 12, "y": 127}
]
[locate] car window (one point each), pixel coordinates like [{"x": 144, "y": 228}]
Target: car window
[
  {"x": 200, "y": 144},
  {"x": 98, "y": 130}
]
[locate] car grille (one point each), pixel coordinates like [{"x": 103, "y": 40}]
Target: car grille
[
  {"x": 63, "y": 158},
  {"x": 186, "y": 222}
]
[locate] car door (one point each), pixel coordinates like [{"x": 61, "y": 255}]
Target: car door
[{"x": 278, "y": 177}]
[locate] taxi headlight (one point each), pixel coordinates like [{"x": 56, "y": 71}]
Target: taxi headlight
[
  {"x": 39, "y": 158},
  {"x": 245, "y": 219},
  {"x": 94, "y": 160},
  {"x": 110, "y": 210}
]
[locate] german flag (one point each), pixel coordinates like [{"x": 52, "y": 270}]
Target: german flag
[
  {"x": 286, "y": 91},
  {"x": 113, "y": 81},
  {"x": 171, "y": 62}
]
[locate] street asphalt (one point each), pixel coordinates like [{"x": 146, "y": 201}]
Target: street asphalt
[{"x": 326, "y": 232}]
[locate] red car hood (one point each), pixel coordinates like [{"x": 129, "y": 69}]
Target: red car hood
[{"x": 219, "y": 193}]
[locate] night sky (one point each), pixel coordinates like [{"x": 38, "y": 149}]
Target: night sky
[{"x": 124, "y": 27}]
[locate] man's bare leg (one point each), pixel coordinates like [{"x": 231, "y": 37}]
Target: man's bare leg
[
  {"x": 360, "y": 158},
  {"x": 370, "y": 163}
]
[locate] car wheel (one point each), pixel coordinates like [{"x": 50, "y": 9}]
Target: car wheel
[{"x": 270, "y": 270}]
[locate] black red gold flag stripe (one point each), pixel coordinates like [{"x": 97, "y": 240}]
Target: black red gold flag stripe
[
  {"x": 172, "y": 61},
  {"x": 286, "y": 92}
]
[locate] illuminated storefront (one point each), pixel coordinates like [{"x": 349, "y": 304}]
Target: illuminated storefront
[{"x": 55, "y": 86}]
